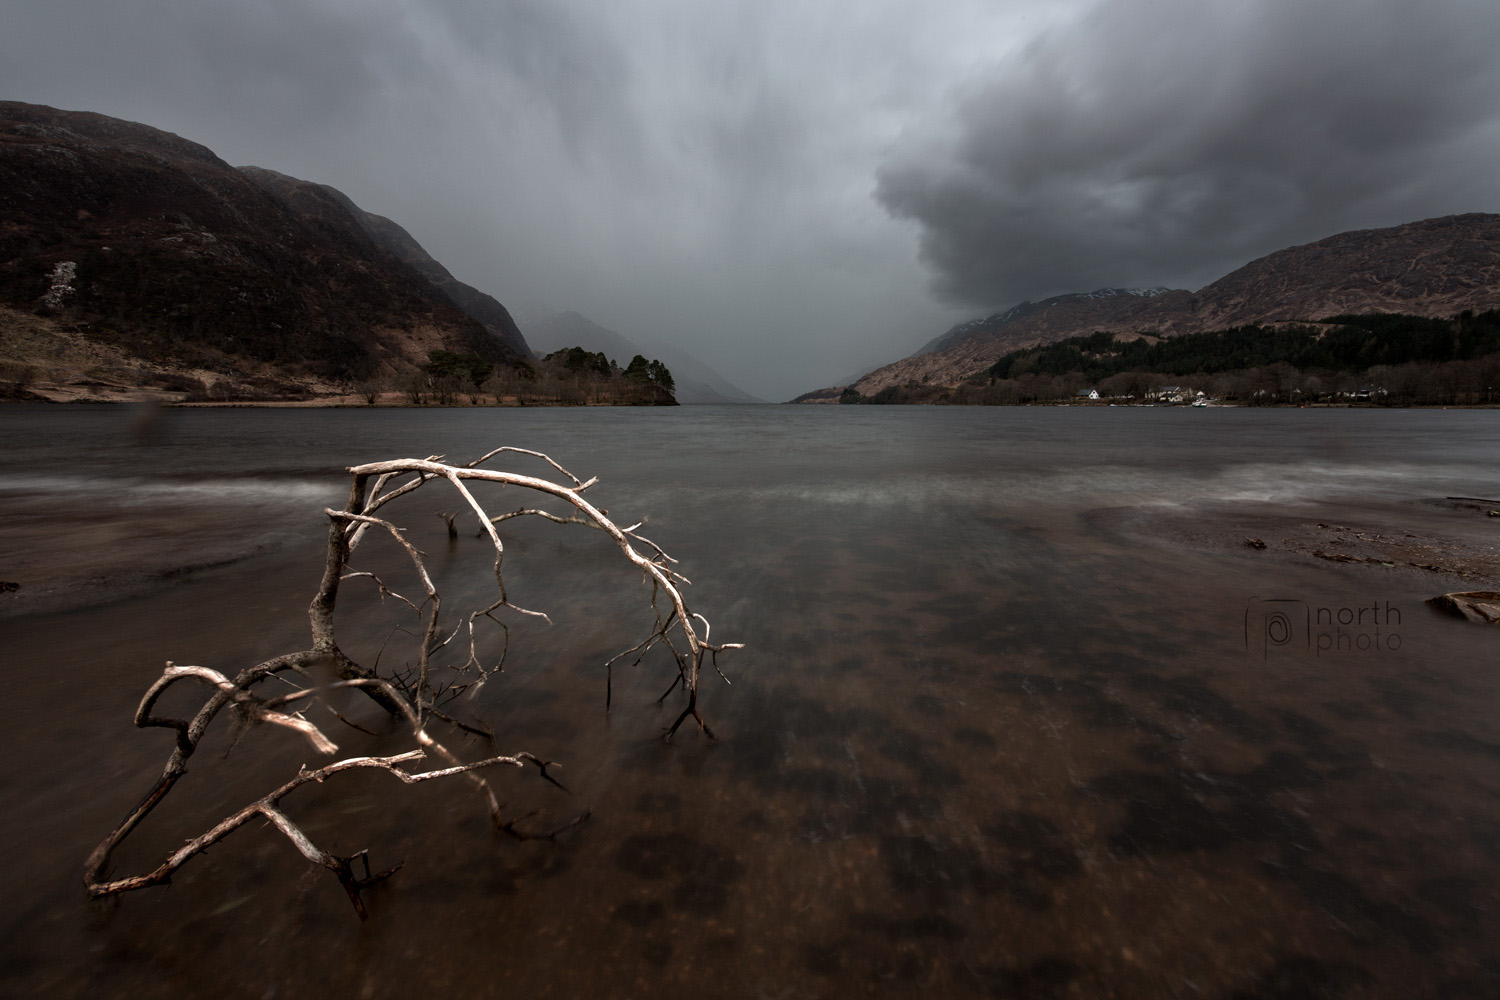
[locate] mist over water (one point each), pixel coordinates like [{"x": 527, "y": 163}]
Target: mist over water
[{"x": 999, "y": 729}]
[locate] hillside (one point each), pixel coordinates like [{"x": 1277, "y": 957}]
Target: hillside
[
  {"x": 697, "y": 384},
  {"x": 143, "y": 258},
  {"x": 1435, "y": 268},
  {"x": 476, "y": 304}
]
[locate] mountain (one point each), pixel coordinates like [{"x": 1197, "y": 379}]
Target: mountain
[
  {"x": 697, "y": 384},
  {"x": 131, "y": 256},
  {"x": 1435, "y": 267},
  {"x": 478, "y": 305},
  {"x": 1060, "y": 308}
]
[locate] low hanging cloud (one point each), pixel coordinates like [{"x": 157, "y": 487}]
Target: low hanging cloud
[{"x": 1168, "y": 142}]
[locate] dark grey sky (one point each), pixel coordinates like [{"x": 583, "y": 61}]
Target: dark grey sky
[{"x": 795, "y": 191}]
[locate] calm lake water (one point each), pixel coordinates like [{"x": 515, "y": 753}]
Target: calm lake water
[{"x": 993, "y": 735}]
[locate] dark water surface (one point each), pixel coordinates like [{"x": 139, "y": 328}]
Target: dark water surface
[{"x": 983, "y": 741}]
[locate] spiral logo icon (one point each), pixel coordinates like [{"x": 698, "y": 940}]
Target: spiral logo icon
[{"x": 1276, "y": 623}]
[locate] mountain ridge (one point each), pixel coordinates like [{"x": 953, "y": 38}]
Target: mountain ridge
[
  {"x": 163, "y": 257},
  {"x": 394, "y": 238},
  {"x": 1432, "y": 267}
]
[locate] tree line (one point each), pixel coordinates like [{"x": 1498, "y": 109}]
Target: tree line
[
  {"x": 568, "y": 377},
  {"x": 1383, "y": 358},
  {"x": 1335, "y": 344}
]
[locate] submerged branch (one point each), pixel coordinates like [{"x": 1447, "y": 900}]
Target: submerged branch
[{"x": 411, "y": 693}]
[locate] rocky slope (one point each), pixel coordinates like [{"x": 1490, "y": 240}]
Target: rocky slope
[
  {"x": 1436, "y": 267},
  {"x": 697, "y": 384},
  {"x": 150, "y": 254}
]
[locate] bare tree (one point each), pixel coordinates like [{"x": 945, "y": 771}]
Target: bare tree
[
  {"x": 417, "y": 694},
  {"x": 371, "y": 389}
]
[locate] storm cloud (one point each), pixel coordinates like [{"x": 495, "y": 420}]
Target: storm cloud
[
  {"x": 780, "y": 186},
  {"x": 699, "y": 174},
  {"x": 1169, "y": 142}
]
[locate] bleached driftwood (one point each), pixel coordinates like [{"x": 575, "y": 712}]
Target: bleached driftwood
[{"x": 413, "y": 694}]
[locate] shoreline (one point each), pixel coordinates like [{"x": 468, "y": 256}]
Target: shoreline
[
  {"x": 355, "y": 402},
  {"x": 350, "y": 401}
]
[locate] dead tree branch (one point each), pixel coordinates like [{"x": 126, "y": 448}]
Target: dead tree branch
[{"x": 413, "y": 693}]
